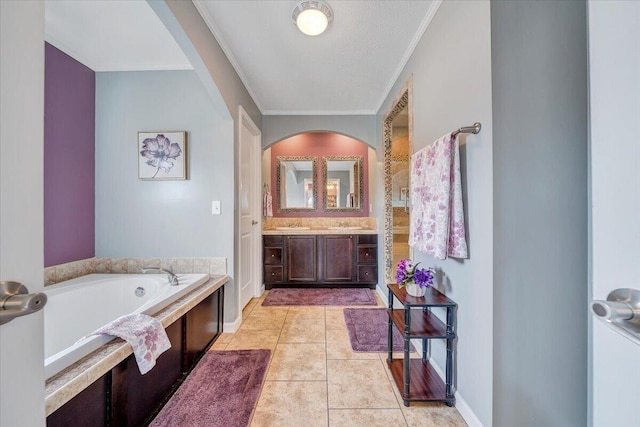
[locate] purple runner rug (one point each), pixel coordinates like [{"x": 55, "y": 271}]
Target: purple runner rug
[
  {"x": 368, "y": 330},
  {"x": 322, "y": 296},
  {"x": 222, "y": 390}
]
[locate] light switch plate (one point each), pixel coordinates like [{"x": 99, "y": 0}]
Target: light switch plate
[{"x": 215, "y": 207}]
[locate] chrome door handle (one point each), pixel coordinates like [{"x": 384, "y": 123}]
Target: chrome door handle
[
  {"x": 621, "y": 311},
  {"x": 15, "y": 301}
]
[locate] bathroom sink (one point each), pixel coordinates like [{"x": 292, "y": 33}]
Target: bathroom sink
[
  {"x": 293, "y": 228},
  {"x": 346, "y": 228}
]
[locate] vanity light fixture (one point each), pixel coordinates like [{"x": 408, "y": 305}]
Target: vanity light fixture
[{"x": 312, "y": 17}]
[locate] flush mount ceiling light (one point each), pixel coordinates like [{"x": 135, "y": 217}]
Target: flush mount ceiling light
[{"x": 312, "y": 17}]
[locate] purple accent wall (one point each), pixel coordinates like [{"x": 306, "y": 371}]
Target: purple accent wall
[
  {"x": 69, "y": 159},
  {"x": 321, "y": 144}
]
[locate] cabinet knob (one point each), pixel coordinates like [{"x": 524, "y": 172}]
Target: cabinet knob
[
  {"x": 273, "y": 274},
  {"x": 366, "y": 273},
  {"x": 273, "y": 255},
  {"x": 366, "y": 254}
]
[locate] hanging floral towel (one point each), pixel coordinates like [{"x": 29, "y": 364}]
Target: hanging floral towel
[
  {"x": 145, "y": 334},
  {"x": 350, "y": 200},
  {"x": 437, "y": 216},
  {"x": 267, "y": 205}
]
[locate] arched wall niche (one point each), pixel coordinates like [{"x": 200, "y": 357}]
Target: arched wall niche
[
  {"x": 318, "y": 145},
  {"x": 360, "y": 127}
]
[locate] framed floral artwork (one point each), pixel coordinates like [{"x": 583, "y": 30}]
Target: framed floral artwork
[{"x": 162, "y": 155}]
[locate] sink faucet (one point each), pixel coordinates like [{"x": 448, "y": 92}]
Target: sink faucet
[{"x": 173, "y": 279}]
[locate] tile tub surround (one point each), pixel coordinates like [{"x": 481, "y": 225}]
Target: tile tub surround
[
  {"x": 63, "y": 386},
  {"x": 320, "y": 225},
  {"x": 71, "y": 270}
]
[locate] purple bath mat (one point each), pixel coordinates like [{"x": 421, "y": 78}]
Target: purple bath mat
[
  {"x": 222, "y": 390},
  {"x": 368, "y": 330},
  {"x": 323, "y": 296}
]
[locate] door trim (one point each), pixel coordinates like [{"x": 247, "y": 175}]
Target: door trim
[
  {"x": 244, "y": 120},
  {"x": 405, "y": 99}
]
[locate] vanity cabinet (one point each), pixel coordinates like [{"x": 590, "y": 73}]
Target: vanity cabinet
[
  {"x": 337, "y": 263},
  {"x": 320, "y": 260},
  {"x": 273, "y": 256},
  {"x": 300, "y": 261},
  {"x": 367, "y": 258}
]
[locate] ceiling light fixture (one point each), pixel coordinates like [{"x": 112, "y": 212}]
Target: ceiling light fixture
[{"x": 312, "y": 17}]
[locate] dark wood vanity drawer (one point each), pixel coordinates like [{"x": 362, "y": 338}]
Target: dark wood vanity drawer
[
  {"x": 367, "y": 239},
  {"x": 366, "y": 254},
  {"x": 273, "y": 240},
  {"x": 273, "y": 273},
  {"x": 367, "y": 273},
  {"x": 273, "y": 256}
]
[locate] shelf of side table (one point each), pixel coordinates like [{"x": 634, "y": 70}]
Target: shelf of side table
[{"x": 416, "y": 379}]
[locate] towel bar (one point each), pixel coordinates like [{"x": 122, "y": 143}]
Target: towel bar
[{"x": 475, "y": 129}]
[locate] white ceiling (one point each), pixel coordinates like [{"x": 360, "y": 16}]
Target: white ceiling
[
  {"x": 112, "y": 35},
  {"x": 349, "y": 69}
]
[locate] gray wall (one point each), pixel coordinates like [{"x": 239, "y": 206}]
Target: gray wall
[
  {"x": 200, "y": 46},
  {"x": 225, "y": 88},
  {"x": 137, "y": 218},
  {"x": 451, "y": 69},
  {"x": 540, "y": 213},
  {"x": 276, "y": 128}
]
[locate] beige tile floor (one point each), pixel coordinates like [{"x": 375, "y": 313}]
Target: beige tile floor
[{"x": 315, "y": 379}]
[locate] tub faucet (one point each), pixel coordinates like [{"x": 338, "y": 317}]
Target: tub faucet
[{"x": 173, "y": 279}]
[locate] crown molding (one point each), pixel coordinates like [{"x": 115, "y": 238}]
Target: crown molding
[
  {"x": 410, "y": 49},
  {"x": 100, "y": 68},
  {"x": 319, "y": 113},
  {"x": 208, "y": 19},
  {"x": 68, "y": 50}
]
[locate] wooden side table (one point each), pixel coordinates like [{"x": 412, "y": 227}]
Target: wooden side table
[{"x": 416, "y": 379}]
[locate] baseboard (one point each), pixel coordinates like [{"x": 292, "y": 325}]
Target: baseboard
[
  {"x": 232, "y": 327},
  {"x": 383, "y": 295},
  {"x": 465, "y": 411},
  {"x": 461, "y": 405}
]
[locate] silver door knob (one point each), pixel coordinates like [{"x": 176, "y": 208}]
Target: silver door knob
[
  {"x": 621, "y": 311},
  {"x": 15, "y": 301}
]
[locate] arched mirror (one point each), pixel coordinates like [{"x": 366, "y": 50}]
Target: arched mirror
[
  {"x": 296, "y": 186},
  {"x": 398, "y": 130},
  {"x": 342, "y": 183}
]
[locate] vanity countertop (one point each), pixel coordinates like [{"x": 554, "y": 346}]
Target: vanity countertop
[{"x": 317, "y": 230}]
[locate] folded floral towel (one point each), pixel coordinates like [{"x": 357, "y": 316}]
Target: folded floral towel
[
  {"x": 437, "y": 216},
  {"x": 145, "y": 334}
]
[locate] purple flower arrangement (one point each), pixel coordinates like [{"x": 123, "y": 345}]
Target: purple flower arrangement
[{"x": 408, "y": 272}]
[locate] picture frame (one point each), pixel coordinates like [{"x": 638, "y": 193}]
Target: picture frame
[
  {"x": 162, "y": 155},
  {"x": 404, "y": 191}
]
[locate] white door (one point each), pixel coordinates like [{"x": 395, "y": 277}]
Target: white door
[
  {"x": 21, "y": 206},
  {"x": 250, "y": 210},
  {"x": 614, "y": 70}
]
